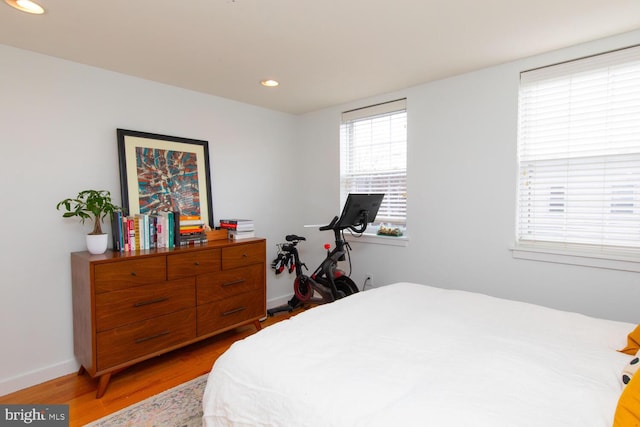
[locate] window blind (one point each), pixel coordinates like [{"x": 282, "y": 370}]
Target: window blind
[
  {"x": 373, "y": 156},
  {"x": 579, "y": 152}
]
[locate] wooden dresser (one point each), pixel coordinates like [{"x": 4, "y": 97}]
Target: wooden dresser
[{"x": 128, "y": 307}]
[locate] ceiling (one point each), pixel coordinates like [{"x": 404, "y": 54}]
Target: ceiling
[{"x": 324, "y": 53}]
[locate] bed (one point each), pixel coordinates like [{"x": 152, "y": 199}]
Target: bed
[{"x": 409, "y": 354}]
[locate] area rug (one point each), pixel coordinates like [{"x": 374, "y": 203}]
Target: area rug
[{"x": 180, "y": 406}]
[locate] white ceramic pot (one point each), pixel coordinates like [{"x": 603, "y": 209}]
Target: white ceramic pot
[{"x": 97, "y": 243}]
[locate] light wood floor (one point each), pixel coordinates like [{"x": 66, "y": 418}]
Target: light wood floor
[{"x": 135, "y": 383}]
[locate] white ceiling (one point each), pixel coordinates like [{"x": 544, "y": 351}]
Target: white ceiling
[{"x": 324, "y": 53}]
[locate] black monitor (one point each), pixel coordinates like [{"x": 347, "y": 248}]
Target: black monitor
[{"x": 358, "y": 207}]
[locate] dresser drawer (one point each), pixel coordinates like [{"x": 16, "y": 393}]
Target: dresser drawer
[
  {"x": 131, "y": 305},
  {"x": 124, "y": 274},
  {"x": 126, "y": 343},
  {"x": 214, "y": 287},
  {"x": 243, "y": 254},
  {"x": 193, "y": 263},
  {"x": 230, "y": 311}
]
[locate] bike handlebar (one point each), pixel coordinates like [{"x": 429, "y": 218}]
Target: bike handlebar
[
  {"x": 360, "y": 228},
  {"x": 331, "y": 224}
]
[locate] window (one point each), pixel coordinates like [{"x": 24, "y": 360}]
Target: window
[
  {"x": 373, "y": 157},
  {"x": 579, "y": 154}
]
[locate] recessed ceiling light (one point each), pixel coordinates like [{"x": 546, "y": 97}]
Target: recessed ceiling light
[
  {"x": 26, "y": 6},
  {"x": 269, "y": 83}
]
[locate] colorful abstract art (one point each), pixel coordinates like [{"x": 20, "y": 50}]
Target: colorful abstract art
[
  {"x": 167, "y": 180},
  {"x": 164, "y": 173}
]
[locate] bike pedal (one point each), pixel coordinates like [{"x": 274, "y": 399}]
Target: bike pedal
[{"x": 275, "y": 262}]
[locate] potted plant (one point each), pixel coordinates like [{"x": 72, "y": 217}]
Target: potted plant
[{"x": 95, "y": 205}]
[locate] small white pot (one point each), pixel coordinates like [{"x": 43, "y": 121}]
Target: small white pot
[{"x": 97, "y": 243}]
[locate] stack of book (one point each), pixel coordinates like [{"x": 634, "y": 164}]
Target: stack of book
[
  {"x": 192, "y": 230},
  {"x": 161, "y": 230},
  {"x": 238, "y": 228}
]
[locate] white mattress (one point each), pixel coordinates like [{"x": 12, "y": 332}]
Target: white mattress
[{"x": 414, "y": 355}]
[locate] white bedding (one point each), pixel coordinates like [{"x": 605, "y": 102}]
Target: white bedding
[{"x": 414, "y": 355}]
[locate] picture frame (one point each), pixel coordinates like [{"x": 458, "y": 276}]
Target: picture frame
[{"x": 162, "y": 172}]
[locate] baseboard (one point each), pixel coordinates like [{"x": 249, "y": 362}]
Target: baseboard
[
  {"x": 39, "y": 376},
  {"x": 275, "y": 302}
]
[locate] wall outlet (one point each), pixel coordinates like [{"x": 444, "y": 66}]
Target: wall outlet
[{"x": 368, "y": 281}]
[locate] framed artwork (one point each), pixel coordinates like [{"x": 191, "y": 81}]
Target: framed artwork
[{"x": 161, "y": 172}]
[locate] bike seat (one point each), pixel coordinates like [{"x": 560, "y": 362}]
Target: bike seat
[{"x": 293, "y": 237}]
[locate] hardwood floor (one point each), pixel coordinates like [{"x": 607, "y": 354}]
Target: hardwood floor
[{"x": 135, "y": 383}]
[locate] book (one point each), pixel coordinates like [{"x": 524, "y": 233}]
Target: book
[
  {"x": 176, "y": 228},
  {"x": 193, "y": 239},
  {"x": 191, "y": 220},
  {"x": 190, "y": 229},
  {"x": 160, "y": 239},
  {"x": 116, "y": 231},
  {"x": 239, "y": 235},
  {"x": 137, "y": 235},
  {"x": 131, "y": 231},
  {"x": 125, "y": 233},
  {"x": 152, "y": 231},
  {"x": 171, "y": 230},
  {"x": 143, "y": 231},
  {"x": 238, "y": 227},
  {"x": 237, "y": 224},
  {"x": 154, "y": 221},
  {"x": 167, "y": 229}
]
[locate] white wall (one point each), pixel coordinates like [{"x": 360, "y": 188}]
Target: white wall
[
  {"x": 58, "y": 136},
  {"x": 462, "y": 195}
]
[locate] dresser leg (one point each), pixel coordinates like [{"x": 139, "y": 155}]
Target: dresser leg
[
  {"x": 257, "y": 324},
  {"x": 81, "y": 371},
  {"x": 102, "y": 385}
]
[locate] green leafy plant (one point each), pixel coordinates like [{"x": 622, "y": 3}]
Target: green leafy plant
[{"x": 89, "y": 204}]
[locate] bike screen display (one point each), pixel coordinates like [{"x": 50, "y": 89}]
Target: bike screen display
[{"x": 357, "y": 207}]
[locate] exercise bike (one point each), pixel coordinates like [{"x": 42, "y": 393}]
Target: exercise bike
[{"x": 327, "y": 283}]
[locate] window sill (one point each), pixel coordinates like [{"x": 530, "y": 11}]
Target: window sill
[
  {"x": 612, "y": 261},
  {"x": 377, "y": 239}
]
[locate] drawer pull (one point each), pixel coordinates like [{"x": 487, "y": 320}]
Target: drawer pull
[
  {"x": 133, "y": 273},
  {"x": 235, "y": 282},
  {"x": 245, "y": 256},
  {"x": 196, "y": 263},
  {"x": 235, "y": 310},
  {"x": 152, "y": 301},
  {"x": 141, "y": 340}
]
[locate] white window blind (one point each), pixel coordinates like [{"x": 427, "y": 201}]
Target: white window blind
[
  {"x": 373, "y": 156},
  {"x": 579, "y": 153}
]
